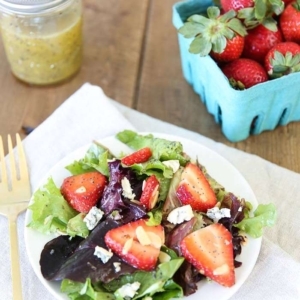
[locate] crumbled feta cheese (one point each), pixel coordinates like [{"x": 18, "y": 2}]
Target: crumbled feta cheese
[
  {"x": 216, "y": 213},
  {"x": 93, "y": 217},
  {"x": 117, "y": 266},
  {"x": 103, "y": 254},
  {"x": 127, "y": 190},
  {"x": 173, "y": 164},
  {"x": 180, "y": 214},
  {"x": 128, "y": 290}
]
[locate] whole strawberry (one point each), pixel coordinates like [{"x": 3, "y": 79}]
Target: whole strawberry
[
  {"x": 233, "y": 50},
  {"x": 289, "y": 22},
  {"x": 244, "y": 73},
  {"x": 236, "y": 5},
  {"x": 259, "y": 41},
  {"x": 219, "y": 35},
  {"x": 283, "y": 59}
]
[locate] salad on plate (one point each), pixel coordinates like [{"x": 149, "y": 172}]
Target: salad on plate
[{"x": 147, "y": 222}]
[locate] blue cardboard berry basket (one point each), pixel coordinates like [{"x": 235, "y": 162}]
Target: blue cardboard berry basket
[{"x": 239, "y": 113}]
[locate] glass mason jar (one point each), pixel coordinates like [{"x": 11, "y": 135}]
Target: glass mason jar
[{"x": 42, "y": 38}]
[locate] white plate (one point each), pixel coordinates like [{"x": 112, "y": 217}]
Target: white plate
[{"x": 217, "y": 166}]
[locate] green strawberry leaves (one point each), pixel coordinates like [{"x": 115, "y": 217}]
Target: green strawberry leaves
[
  {"x": 199, "y": 45},
  {"x": 191, "y": 29},
  {"x": 262, "y": 13},
  {"x": 213, "y": 12},
  {"x": 211, "y": 32},
  {"x": 284, "y": 64}
]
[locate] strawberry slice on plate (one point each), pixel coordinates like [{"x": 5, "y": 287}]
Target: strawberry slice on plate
[
  {"x": 84, "y": 190},
  {"x": 194, "y": 189},
  {"x": 137, "y": 157},
  {"x": 210, "y": 251},
  {"x": 137, "y": 243},
  {"x": 150, "y": 192}
]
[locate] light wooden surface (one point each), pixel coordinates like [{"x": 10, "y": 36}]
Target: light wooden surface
[{"x": 131, "y": 51}]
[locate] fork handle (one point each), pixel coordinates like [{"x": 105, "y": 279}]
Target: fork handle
[{"x": 15, "y": 259}]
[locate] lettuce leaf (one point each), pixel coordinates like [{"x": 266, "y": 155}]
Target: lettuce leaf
[
  {"x": 264, "y": 215},
  {"x": 153, "y": 167},
  {"x": 155, "y": 216},
  {"x": 157, "y": 282},
  {"x": 84, "y": 291},
  {"x": 171, "y": 290},
  {"x": 95, "y": 159},
  {"x": 161, "y": 149},
  {"x": 76, "y": 226},
  {"x": 50, "y": 211}
]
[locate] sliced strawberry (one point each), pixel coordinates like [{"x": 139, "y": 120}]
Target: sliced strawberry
[
  {"x": 233, "y": 50},
  {"x": 195, "y": 190},
  {"x": 137, "y": 243},
  {"x": 210, "y": 251},
  {"x": 137, "y": 157},
  {"x": 150, "y": 192},
  {"x": 84, "y": 190}
]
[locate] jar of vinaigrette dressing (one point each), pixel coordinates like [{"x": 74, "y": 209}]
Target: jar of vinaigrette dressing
[{"x": 42, "y": 39}]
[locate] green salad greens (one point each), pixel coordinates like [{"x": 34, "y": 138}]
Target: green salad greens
[{"x": 66, "y": 257}]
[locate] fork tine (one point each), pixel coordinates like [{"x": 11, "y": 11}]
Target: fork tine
[
  {"x": 13, "y": 173},
  {"x": 2, "y": 161},
  {"x": 22, "y": 159}
]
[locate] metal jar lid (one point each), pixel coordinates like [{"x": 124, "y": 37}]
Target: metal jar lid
[{"x": 30, "y": 6}]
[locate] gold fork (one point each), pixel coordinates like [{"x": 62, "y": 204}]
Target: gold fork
[{"x": 15, "y": 193}]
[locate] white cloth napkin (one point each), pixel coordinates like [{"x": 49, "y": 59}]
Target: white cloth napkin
[{"x": 89, "y": 115}]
